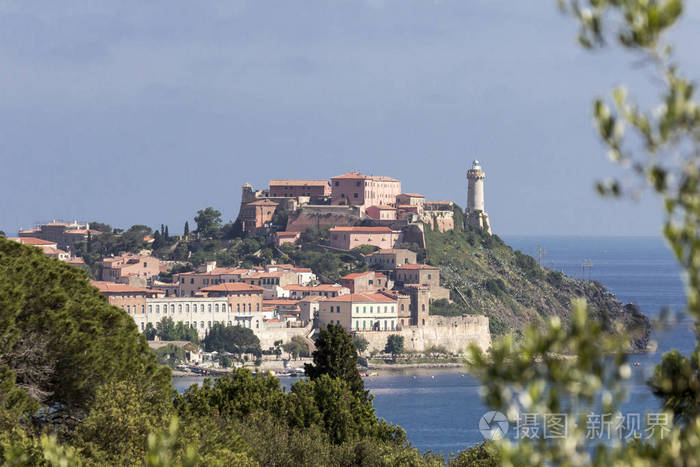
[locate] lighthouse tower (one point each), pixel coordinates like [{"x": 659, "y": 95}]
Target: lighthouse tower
[{"x": 476, "y": 213}]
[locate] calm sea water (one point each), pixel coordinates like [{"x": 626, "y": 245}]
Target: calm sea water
[{"x": 440, "y": 409}]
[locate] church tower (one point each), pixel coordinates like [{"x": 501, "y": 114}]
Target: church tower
[{"x": 476, "y": 213}]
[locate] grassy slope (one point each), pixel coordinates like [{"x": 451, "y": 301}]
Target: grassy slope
[{"x": 513, "y": 291}]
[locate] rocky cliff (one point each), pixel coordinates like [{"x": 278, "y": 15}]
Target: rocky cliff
[{"x": 487, "y": 277}]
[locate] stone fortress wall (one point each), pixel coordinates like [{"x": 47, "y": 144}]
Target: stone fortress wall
[{"x": 453, "y": 333}]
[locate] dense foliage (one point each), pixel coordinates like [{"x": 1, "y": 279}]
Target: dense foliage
[
  {"x": 167, "y": 330},
  {"x": 62, "y": 346},
  {"x": 232, "y": 339}
]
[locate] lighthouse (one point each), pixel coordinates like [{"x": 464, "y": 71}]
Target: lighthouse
[{"x": 476, "y": 213}]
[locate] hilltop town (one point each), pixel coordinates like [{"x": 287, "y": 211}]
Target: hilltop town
[
  {"x": 354, "y": 250},
  {"x": 377, "y": 229}
]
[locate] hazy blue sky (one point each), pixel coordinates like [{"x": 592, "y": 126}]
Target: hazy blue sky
[{"x": 143, "y": 112}]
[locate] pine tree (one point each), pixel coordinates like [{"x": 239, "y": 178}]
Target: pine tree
[{"x": 336, "y": 356}]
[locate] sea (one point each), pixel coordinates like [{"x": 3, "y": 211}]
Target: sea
[{"x": 440, "y": 410}]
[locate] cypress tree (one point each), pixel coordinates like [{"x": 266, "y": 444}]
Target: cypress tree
[{"x": 187, "y": 230}]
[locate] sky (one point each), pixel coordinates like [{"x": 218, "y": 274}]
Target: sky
[{"x": 137, "y": 112}]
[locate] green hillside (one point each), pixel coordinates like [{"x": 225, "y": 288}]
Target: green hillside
[{"x": 486, "y": 276}]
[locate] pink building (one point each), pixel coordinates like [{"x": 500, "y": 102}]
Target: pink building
[
  {"x": 120, "y": 267},
  {"x": 296, "y": 188},
  {"x": 256, "y": 214},
  {"x": 347, "y": 238},
  {"x": 365, "y": 282},
  {"x": 287, "y": 237},
  {"x": 361, "y": 190},
  {"x": 383, "y": 213}
]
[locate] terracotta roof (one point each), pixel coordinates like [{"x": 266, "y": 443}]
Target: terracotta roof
[
  {"x": 31, "y": 241},
  {"x": 382, "y": 207},
  {"x": 362, "y": 229},
  {"x": 355, "y": 275},
  {"x": 262, "y": 202},
  {"x": 76, "y": 261},
  {"x": 415, "y": 267},
  {"x": 215, "y": 272},
  {"x": 299, "y": 183},
  {"x": 358, "y": 175},
  {"x": 302, "y": 270},
  {"x": 232, "y": 287},
  {"x": 313, "y": 298},
  {"x": 319, "y": 288},
  {"x": 362, "y": 298},
  {"x": 113, "y": 287},
  {"x": 413, "y": 195},
  {"x": 351, "y": 175}
]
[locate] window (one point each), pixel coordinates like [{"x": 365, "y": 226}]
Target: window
[
  {"x": 257, "y": 307},
  {"x": 337, "y": 183},
  {"x": 192, "y": 282},
  {"x": 357, "y": 324},
  {"x": 143, "y": 309},
  {"x": 355, "y": 195},
  {"x": 150, "y": 308},
  {"x": 422, "y": 307},
  {"x": 364, "y": 309},
  {"x": 142, "y": 326},
  {"x": 187, "y": 308},
  {"x": 217, "y": 307},
  {"x": 209, "y": 324},
  {"x": 179, "y": 308},
  {"x": 430, "y": 276},
  {"x": 209, "y": 308},
  {"x": 128, "y": 309},
  {"x": 172, "y": 308},
  {"x": 250, "y": 308},
  {"x": 157, "y": 308},
  {"x": 229, "y": 308},
  {"x": 364, "y": 324},
  {"x": 402, "y": 307},
  {"x": 201, "y": 308},
  {"x": 201, "y": 323},
  {"x": 244, "y": 308},
  {"x": 238, "y": 307}
]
